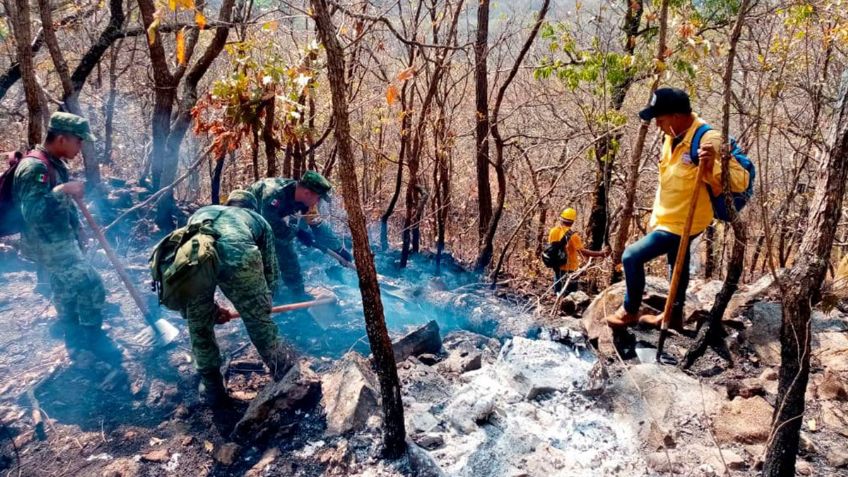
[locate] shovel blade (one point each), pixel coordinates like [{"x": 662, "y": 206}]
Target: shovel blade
[{"x": 160, "y": 333}]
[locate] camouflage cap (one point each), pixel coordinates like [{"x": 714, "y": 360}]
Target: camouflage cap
[
  {"x": 70, "y": 124},
  {"x": 244, "y": 199},
  {"x": 316, "y": 183}
]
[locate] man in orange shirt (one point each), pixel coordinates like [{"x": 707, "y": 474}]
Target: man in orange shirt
[
  {"x": 677, "y": 174},
  {"x": 573, "y": 248}
]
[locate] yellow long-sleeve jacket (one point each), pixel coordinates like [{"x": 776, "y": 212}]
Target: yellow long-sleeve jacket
[{"x": 677, "y": 174}]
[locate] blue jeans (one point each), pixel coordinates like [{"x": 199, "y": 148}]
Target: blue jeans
[
  {"x": 560, "y": 277},
  {"x": 637, "y": 255}
]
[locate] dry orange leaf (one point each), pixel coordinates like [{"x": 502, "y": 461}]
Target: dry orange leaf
[
  {"x": 181, "y": 47},
  {"x": 406, "y": 74},
  {"x": 200, "y": 20},
  {"x": 391, "y": 94},
  {"x": 151, "y": 31}
]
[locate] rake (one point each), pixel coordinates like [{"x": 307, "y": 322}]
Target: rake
[{"x": 159, "y": 332}]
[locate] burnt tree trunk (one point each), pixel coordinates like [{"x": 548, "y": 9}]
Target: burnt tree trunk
[
  {"x": 271, "y": 144},
  {"x": 805, "y": 280},
  {"x": 713, "y": 335},
  {"x": 375, "y": 324},
  {"x": 405, "y": 124},
  {"x": 19, "y": 14},
  {"x": 216, "y": 179},
  {"x": 481, "y": 116}
]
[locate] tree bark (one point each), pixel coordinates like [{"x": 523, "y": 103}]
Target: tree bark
[
  {"x": 271, "y": 143},
  {"x": 805, "y": 280},
  {"x": 481, "y": 116},
  {"x": 375, "y": 324},
  {"x": 19, "y": 14}
]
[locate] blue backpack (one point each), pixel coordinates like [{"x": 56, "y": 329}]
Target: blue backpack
[{"x": 740, "y": 199}]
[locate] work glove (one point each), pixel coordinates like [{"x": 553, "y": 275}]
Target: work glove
[{"x": 222, "y": 315}]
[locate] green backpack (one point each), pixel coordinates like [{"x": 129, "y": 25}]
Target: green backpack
[{"x": 184, "y": 264}]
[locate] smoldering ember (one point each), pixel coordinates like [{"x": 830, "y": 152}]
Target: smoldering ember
[{"x": 424, "y": 238}]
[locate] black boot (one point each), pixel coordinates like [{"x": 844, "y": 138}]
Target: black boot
[
  {"x": 93, "y": 339},
  {"x": 212, "y": 390}
]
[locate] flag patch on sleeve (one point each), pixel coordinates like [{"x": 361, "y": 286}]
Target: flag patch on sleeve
[{"x": 42, "y": 178}]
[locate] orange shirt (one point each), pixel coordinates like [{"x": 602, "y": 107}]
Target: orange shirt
[{"x": 572, "y": 248}]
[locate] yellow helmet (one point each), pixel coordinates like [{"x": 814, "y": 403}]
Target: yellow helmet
[{"x": 569, "y": 214}]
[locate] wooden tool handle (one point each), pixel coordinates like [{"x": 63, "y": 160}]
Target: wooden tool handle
[
  {"x": 294, "y": 306},
  {"x": 682, "y": 249},
  {"x": 98, "y": 233}
]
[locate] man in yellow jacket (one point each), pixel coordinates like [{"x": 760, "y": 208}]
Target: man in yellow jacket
[
  {"x": 677, "y": 175},
  {"x": 574, "y": 249}
]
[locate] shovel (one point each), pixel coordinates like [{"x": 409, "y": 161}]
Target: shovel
[
  {"x": 390, "y": 289},
  {"x": 678, "y": 264},
  {"x": 160, "y": 332}
]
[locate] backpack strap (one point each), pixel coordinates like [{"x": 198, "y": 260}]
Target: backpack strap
[
  {"x": 563, "y": 242},
  {"x": 696, "y": 141},
  {"x": 41, "y": 156}
]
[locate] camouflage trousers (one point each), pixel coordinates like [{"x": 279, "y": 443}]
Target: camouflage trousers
[
  {"x": 244, "y": 285},
  {"x": 78, "y": 290},
  {"x": 289, "y": 266}
]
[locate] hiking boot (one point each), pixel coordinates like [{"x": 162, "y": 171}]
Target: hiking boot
[
  {"x": 95, "y": 341},
  {"x": 212, "y": 390},
  {"x": 622, "y": 319},
  {"x": 655, "y": 321},
  {"x": 280, "y": 360}
]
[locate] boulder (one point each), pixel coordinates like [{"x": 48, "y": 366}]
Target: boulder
[
  {"x": 469, "y": 408},
  {"x": 763, "y": 335},
  {"x": 832, "y": 386},
  {"x": 611, "y": 299},
  {"x": 277, "y": 397},
  {"x": 122, "y": 467},
  {"x": 464, "y": 353},
  {"x": 537, "y": 367},
  {"x": 156, "y": 455},
  {"x": 747, "y": 421},
  {"x": 834, "y": 417},
  {"x": 831, "y": 350},
  {"x": 667, "y": 395},
  {"x": 425, "y": 339},
  {"x": 349, "y": 394},
  {"x": 227, "y": 453},
  {"x": 423, "y": 382},
  {"x": 837, "y": 457}
]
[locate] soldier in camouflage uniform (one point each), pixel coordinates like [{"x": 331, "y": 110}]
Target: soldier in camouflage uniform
[
  {"x": 50, "y": 232},
  {"x": 247, "y": 272},
  {"x": 280, "y": 200}
]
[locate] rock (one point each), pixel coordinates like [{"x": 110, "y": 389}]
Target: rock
[
  {"x": 837, "y": 457},
  {"x": 834, "y": 417},
  {"x": 575, "y": 302},
  {"x": 349, "y": 394},
  {"x": 671, "y": 396},
  {"x": 429, "y": 440},
  {"x": 663, "y": 463},
  {"x": 832, "y": 386},
  {"x": 187, "y": 441},
  {"x": 831, "y": 350},
  {"x": 121, "y": 467},
  {"x": 419, "y": 418},
  {"x": 423, "y": 340},
  {"x": 227, "y": 453},
  {"x": 259, "y": 468},
  {"x": 423, "y": 382},
  {"x": 461, "y": 361},
  {"x": 469, "y": 408},
  {"x": 536, "y": 367},
  {"x": 422, "y": 463},
  {"x": 747, "y": 421},
  {"x": 611, "y": 299},
  {"x": 802, "y": 467},
  {"x": 806, "y": 444},
  {"x": 429, "y": 359},
  {"x": 289, "y": 392},
  {"x": 764, "y": 333},
  {"x": 710, "y": 455},
  {"x": 156, "y": 455},
  {"x": 746, "y": 388}
]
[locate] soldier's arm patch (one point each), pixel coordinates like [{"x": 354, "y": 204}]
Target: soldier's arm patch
[{"x": 41, "y": 178}]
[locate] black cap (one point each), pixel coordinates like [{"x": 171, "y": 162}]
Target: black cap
[{"x": 667, "y": 101}]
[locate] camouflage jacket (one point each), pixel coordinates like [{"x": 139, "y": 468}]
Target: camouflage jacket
[
  {"x": 241, "y": 231},
  {"x": 49, "y": 217},
  {"x": 277, "y": 205}
]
